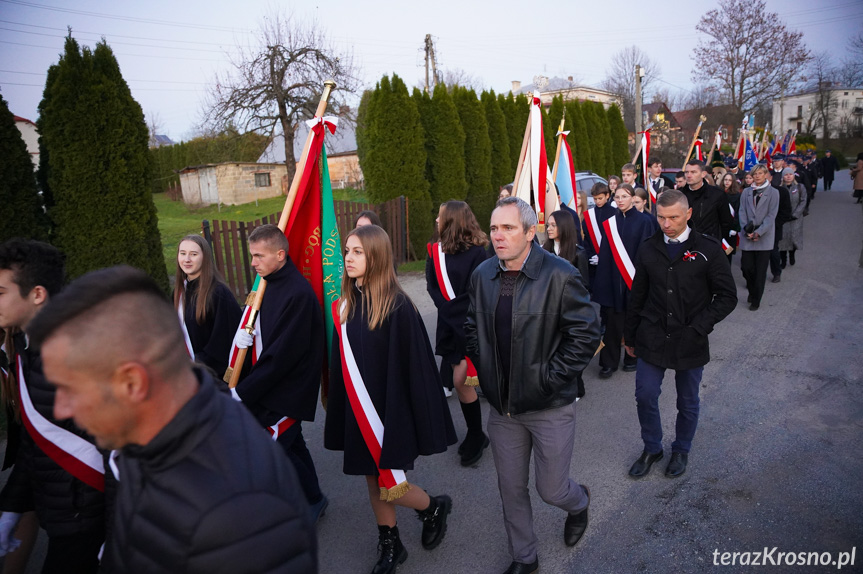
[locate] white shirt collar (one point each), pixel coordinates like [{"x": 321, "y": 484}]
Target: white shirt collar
[{"x": 682, "y": 237}]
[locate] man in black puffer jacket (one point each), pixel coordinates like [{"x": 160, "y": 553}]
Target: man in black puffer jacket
[
  {"x": 710, "y": 212},
  {"x": 57, "y": 470},
  {"x": 201, "y": 487}
]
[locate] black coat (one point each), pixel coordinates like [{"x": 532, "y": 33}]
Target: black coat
[
  {"x": 676, "y": 303},
  {"x": 211, "y": 492},
  {"x": 608, "y": 287},
  {"x": 286, "y": 378},
  {"x": 710, "y": 213},
  {"x": 829, "y": 166},
  {"x": 400, "y": 374},
  {"x": 449, "y": 335},
  {"x": 212, "y": 340},
  {"x": 555, "y": 332},
  {"x": 65, "y": 505}
]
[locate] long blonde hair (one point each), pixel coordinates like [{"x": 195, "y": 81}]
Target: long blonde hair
[{"x": 380, "y": 285}]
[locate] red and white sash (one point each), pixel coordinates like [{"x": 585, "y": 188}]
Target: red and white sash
[
  {"x": 393, "y": 482},
  {"x": 182, "y": 315},
  {"x": 257, "y": 347},
  {"x": 618, "y": 249},
  {"x": 75, "y": 455},
  {"x": 280, "y": 427},
  {"x": 439, "y": 260},
  {"x": 593, "y": 228}
]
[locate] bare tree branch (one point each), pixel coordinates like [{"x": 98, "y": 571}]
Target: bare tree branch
[
  {"x": 747, "y": 53},
  {"x": 276, "y": 83},
  {"x": 620, "y": 79}
]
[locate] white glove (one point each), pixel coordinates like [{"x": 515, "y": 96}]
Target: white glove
[
  {"x": 235, "y": 395},
  {"x": 8, "y": 522},
  {"x": 244, "y": 339},
  {"x": 594, "y": 260},
  {"x": 732, "y": 233}
]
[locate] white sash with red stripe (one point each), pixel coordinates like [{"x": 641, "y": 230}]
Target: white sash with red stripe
[
  {"x": 618, "y": 249},
  {"x": 593, "y": 228},
  {"x": 72, "y": 453},
  {"x": 182, "y": 315},
  {"x": 393, "y": 482}
]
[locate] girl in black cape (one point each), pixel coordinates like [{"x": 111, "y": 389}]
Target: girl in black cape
[
  {"x": 210, "y": 312},
  {"x": 394, "y": 361},
  {"x": 562, "y": 240},
  {"x": 463, "y": 244}
]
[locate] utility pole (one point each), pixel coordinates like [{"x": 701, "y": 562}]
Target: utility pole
[
  {"x": 428, "y": 48},
  {"x": 430, "y": 61},
  {"x": 639, "y": 121}
]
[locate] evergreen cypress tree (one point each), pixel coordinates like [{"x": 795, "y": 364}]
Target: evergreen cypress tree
[
  {"x": 605, "y": 130},
  {"x": 364, "y": 112},
  {"x": 579, "y": 139},
  {"x": 23, "y": 215},
  {"x": 99, "y": 166},
  {"x": 619, "y": 138},
  {"x": 514, "y": 132},
  {"x": 555, "y": 113},
  {"x": 597, "y": 144},
  {"x": 481, "y": 194},
  {"x": 444, "y": 144},
  {"x": 548, "y": 131},
  {"x": 395, "y": 157},
  {"x": 502, "y": 170}
]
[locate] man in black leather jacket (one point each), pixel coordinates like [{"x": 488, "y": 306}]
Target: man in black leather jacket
[
  {"x": 530, "y": 331},
  {"x": 201, "y": 487}
]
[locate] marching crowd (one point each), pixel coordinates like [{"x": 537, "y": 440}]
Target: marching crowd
[{"x": 133, "y": 458}]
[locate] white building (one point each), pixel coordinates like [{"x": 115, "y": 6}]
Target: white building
[
  {"x": 568, "y": 89},
  {"x": 801, "y": 112},
  {"x": 31, "y": 137}
]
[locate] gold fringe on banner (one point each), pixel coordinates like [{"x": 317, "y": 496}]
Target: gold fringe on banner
[
  {"x": 395, "y": 492},
  {"x": 251, "y": 298},
  {"x": 471, "y": 382},
  {"x": 228, "y": 374}
]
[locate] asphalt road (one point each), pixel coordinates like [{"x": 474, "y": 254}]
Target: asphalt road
[{"x": 776, "y": 461}]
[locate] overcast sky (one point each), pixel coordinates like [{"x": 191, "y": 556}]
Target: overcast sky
[{"x": 169, "y": 52}]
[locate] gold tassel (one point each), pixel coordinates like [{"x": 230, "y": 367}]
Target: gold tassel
[
  {"x": 395, "y": 492},
  {"x": 471, "y": 382},
  {"x": 251, "y": 298},
  {"x": 228, "y": 374}
]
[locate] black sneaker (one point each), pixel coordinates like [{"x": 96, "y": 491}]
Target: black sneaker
[{"x": 434, "y": 520}]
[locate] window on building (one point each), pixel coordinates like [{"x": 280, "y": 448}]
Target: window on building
[
  {"x": 262, "y": 180},
  {"x": 799, "y": 111},
  {"x": 799, "y": 127},
  {"x": 844, "y": 104},
  {"x": 660, "y": 117}
]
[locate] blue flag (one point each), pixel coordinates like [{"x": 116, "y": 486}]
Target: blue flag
[{"x": 749, "y": 159}]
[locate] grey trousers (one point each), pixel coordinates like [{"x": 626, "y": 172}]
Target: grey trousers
[{"x": 550, "y": 434}]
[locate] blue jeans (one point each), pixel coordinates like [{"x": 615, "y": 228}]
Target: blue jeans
[{"x": 648, "y": 386}]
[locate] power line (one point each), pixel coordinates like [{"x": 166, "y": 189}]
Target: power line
[
  {"x": 125, "y": 18},
  {"x": 75, "y": 30},
  {"x": 119, "y": 43},
  {"x": 117, "y": 53},
  {"x": 127, "y": 79}
]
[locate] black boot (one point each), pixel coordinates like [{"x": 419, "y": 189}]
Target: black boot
[
  {"x": 783, "y": 259},
  {"x": 475, "y": 441},
  {"x": 791, "y": 255},
  {"x": 392, "y": 551},
  {"x": 434, "y": 520}
]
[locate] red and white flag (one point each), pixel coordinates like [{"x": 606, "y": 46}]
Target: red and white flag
[{"x": 593, "y": 230}]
